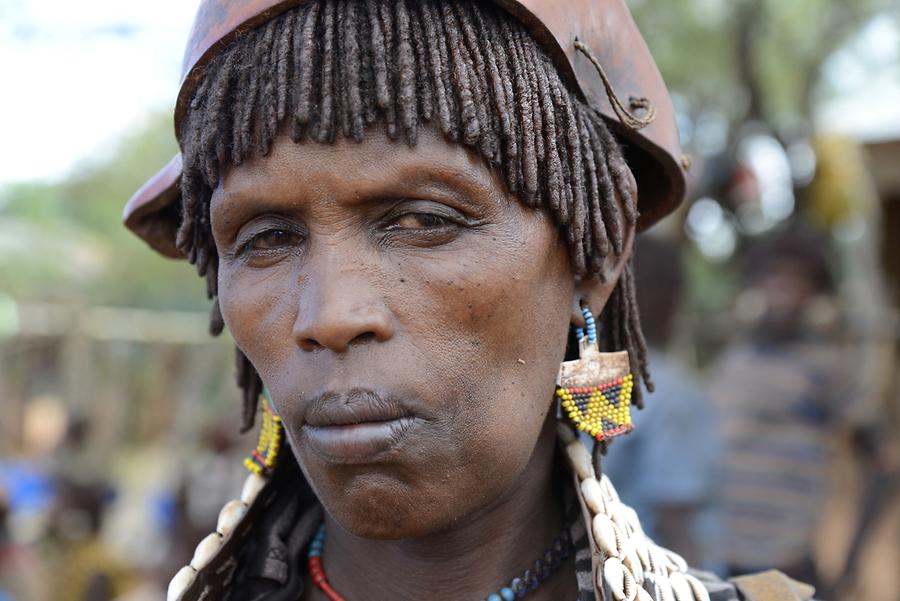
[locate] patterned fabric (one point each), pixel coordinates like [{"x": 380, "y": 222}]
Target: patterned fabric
[
  {"x": 776, "y": 407},
  {"x": 578, "y": 534}
]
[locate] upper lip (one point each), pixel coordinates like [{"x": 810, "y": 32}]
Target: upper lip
[{"x": 355, "y": 406}]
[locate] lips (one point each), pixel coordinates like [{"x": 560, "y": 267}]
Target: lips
[
  {"x": 355, "y": 426},
  {"x": 356, "y": 406}
]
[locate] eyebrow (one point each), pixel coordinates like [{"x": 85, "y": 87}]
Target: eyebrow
[{"x": 449, "y": 182}]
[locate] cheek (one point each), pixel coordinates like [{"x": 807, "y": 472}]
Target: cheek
[
  {"x": 497, "y": 324},
  {"x": 257, "y": 310},
  {"x": 506, "y": 310}
]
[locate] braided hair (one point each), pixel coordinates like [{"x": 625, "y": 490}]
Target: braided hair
[{"x": 330, "y": 68}]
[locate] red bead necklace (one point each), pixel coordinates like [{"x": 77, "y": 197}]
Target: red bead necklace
[{"x": 317, "y": 573}]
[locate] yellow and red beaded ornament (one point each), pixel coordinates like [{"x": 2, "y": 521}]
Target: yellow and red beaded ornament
[
  {"x": 595, "y": 390},
  {"x": 268, "y": 445}
]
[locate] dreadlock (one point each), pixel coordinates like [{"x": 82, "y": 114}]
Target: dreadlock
[{"x": 330, "y": 68}]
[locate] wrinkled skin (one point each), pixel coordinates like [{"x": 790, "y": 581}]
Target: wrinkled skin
[{"x": 410, "y": 273}]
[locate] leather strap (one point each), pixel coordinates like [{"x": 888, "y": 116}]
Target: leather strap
[{"x": 772, "y": 585}]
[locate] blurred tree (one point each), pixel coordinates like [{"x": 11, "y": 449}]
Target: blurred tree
[
  {"x": 60, "y": 241},
  {"x": 751, "y": 60},
  {"x": 748, "y": 78}
]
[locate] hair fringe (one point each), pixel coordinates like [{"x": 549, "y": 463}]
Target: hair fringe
[{"x": 332, "y": 68}]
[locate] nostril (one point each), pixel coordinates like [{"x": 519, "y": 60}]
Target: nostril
[
  {"x": 310, "y": 344},
  {"x": 363, "y": 338}
]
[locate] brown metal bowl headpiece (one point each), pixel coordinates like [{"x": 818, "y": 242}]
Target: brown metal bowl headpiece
[{"x": 594, "y": 44}]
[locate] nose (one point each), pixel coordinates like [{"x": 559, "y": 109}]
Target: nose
[{"x": 339, "y": 308}]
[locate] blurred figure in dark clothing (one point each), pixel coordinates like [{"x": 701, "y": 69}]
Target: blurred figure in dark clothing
[
  {"x": 85, "y": 569},
  {"x": 781, "y": 391},
  {"x": 790, "y": 275},
  {"x": 668, "y": 468}
]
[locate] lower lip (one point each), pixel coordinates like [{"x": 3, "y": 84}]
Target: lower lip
[{"x": 357, "y": 443}]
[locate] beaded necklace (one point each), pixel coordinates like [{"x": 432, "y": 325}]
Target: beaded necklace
[{"x": 518, "y": 587}]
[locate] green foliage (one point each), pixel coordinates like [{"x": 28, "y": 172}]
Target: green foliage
[
  {"x": 65, "y": 241},
  {"x": 756, "y": 59},
  {"x": 690, "y": 43}
]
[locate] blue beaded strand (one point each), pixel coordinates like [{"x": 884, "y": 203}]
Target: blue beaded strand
[
  {"x": 590, "y": 326},
  {"x": 318, "y": 543},
  {"x": 540, "y": 572}
]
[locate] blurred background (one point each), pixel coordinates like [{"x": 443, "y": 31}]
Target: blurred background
[{"x": 770, "y": 301}]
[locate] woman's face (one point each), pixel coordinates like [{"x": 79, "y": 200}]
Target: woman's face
[{"x": 407, "y": 316}]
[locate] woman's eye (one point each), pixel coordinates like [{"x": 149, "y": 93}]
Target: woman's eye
[
  {"x": 272, "y": 239},
  {"x": 419, "y": 221}
]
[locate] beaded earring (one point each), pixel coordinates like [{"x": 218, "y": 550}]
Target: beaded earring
[
  {"x": 268, "y": 444},
  {"x": 595, "y": 390}
]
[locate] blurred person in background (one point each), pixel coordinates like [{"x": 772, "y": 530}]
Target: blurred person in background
[
  {"x": 207, "y": 483},
  {"x": 84, "y": 568},
  {"x": 781, "y": 391},
  {"x": 675, "y": 445},
  {"x": 215, "y": 474},
  {"x": 21, "y": 578}
]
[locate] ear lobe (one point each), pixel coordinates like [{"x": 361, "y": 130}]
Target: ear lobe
[{"x": 592, "y": 292}]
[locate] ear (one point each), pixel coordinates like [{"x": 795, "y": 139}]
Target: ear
[{"x": 593, "y": 290}]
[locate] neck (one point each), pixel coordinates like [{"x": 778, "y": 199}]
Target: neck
[{"x": 471, "y": 560}]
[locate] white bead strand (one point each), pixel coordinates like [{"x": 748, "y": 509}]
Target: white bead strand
[{"x": 633, "y": 567}]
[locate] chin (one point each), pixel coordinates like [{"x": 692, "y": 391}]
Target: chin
[
  {"x": 377, "y": 505},
  {"x": 373, "y": 501}
]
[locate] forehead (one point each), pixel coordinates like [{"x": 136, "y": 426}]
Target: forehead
[{"x": 352, "y": 168}]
